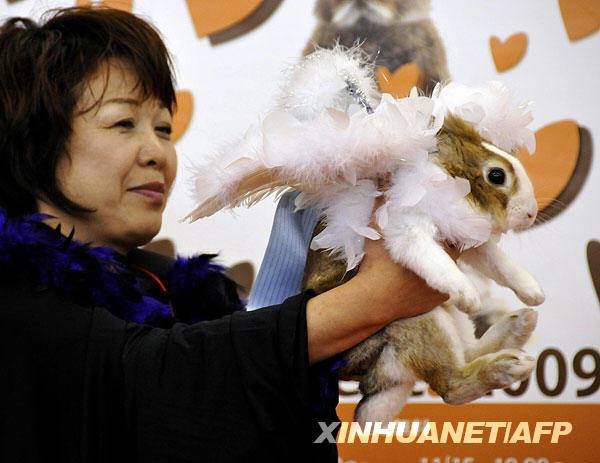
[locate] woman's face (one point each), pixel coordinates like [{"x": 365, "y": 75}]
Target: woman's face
[{"x": 120, "y": 162}]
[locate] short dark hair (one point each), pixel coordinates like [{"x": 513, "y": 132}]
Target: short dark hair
[{"x": 43, "y": 68}]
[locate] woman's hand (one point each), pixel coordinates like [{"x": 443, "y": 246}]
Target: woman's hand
[{"x": 396, "y": 290}]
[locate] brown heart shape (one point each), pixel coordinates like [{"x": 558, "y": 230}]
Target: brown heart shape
[
  {"x": 553, "y": 164},
  {"x": 211, "y": 16},
  {"x": 581, "y": 17},
  {"x": 243, "y": 274},
  {"x": 252, "y": 21},
  {"x": 164, "y": 246},
  {"x": 593, "y": 258},
  {"x": 401, "y": 81},
  {"x": 509, "y": 53}
]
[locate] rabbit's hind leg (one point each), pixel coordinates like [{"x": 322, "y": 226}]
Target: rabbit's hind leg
[
  {"x": 386, "y": 387},
  {"x": 424, "y": 347},
  {"x": 433, "y": 347},
  {"x": 360, "y": 358},
  {"x": 511, "y": 332},
  {"x": 383, "y": 406},
  {"x": 491, "y": 371}
]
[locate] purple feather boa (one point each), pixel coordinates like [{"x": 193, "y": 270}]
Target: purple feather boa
[{"x": 98, "y": 276}]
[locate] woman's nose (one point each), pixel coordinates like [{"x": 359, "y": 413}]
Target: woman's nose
[{"x": 152, "y": 152}]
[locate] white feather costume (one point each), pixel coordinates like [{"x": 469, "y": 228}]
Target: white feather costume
[{"x": 333, "y": 137}]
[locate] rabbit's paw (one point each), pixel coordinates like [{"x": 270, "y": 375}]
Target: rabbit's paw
[
  {"x": 466, "y": 298},
  {"x": 508, "y": 367},
  {"x": 528, "y": 289},
  {"x": 517, "y": 327}
]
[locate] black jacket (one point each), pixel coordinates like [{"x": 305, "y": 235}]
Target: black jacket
[{"x": 79, "y": 384}]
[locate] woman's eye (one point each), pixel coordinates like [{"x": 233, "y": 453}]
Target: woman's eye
[
  {"x": 165, "y": 130},
  {"x": 126, "y": 124},
  {"x": 496, "y": 176}
]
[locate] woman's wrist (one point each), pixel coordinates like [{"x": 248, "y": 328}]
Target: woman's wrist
[
  {"x": 381, "y": 292},
  {"x": 346, "y": 315},
  {"x": 339, "y": 319},
  {"x": 399, "y": 294}
]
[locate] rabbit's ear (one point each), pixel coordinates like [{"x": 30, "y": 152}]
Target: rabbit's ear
[
  {"x": 244, "y": 183},
  {"x": 246, "y": 191},
  {"x": 256, "y": 184}
]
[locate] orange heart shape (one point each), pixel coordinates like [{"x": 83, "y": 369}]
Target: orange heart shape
[
  {"x": 553, "y": 163},
  {"x": 210, "y": 16},
  {"x": 183, "y": 114},
  {"x": 125, "y": 5},
  {"x": 508, "y": 54},
  {"x": 581, "y": 17},
  {"x": 400, "y": 83}
]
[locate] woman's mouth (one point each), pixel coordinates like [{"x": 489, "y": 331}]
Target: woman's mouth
[{"x": 154, "y": 191}]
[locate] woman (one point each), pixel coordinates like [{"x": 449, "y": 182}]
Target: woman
[{"x": 105, "y": 356}]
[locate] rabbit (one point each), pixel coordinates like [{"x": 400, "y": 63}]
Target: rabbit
[
  {"x": 391, "y": 32},
  {"x": 440, "y": 347},
  {"x": 450, "y": 178}
]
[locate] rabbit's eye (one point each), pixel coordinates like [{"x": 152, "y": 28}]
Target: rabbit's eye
[{"x": 496, "y": 176}]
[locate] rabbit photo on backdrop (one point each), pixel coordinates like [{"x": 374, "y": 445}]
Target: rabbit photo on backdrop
[{"x": 392, "y": 33}]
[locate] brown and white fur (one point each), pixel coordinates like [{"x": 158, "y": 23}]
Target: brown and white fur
[{"x": 439, "y": 348}]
